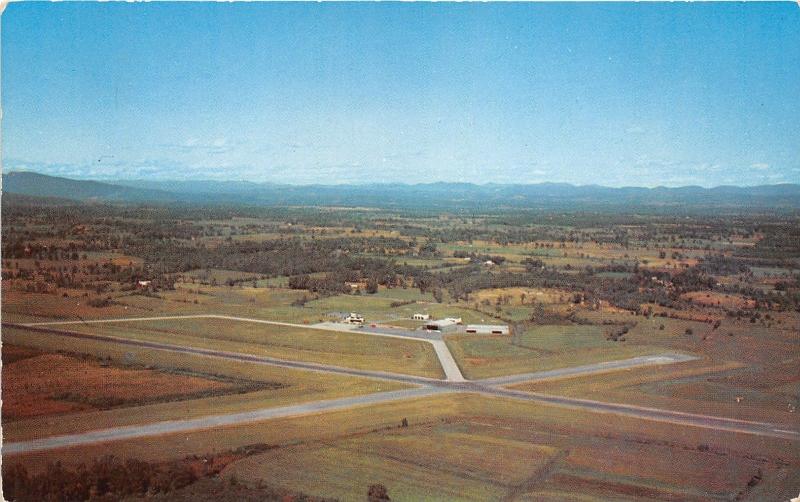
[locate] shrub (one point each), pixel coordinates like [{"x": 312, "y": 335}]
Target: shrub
[{"x": 377, "y": 493}]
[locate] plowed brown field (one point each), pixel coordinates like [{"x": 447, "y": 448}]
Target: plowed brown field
[{"x": 36, "y": 384}]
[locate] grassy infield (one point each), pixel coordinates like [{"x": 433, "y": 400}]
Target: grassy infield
[{"x": 299, "y": 344}]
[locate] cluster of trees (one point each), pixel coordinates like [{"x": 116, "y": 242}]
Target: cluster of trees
[
  {"x": 88, "y": 275},
  {"x": 643, "y": 286},
  {"x": 719, "y": 264},
  {"x": 780, "y": 242},
  {"x": 371, "y": 272},
  {"x": 618, "y": 334},
  {"x": 105, "y": 477},
  {"x": 285, "y": 256}
]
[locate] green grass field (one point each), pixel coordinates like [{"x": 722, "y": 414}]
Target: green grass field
[
  {"x": 406, "y": 294},
  {"x": 726, "y": 388},
  {"x": 442, "y": 462},
  {"x": 538, "y": 349},
  {"x": 352, "y": 350}
]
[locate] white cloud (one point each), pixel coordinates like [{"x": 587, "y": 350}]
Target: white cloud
[{"x": 759, "y": 165}]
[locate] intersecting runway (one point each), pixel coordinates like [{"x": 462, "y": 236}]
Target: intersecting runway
[{"x": 424, "y": 387}]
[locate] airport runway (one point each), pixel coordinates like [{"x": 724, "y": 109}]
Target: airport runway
[
  {"x": 212, "y": 421},
  {"x": 590, "y": 368},
  {"x": 492, "y": 387},
  {"x": 447, "y": 361}
]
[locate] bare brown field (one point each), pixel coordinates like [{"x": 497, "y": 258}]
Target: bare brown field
[
  {"x": 14, "y": 353},
  {"x": 721, "y": 300},
  {"x": 47, "y": 383}
]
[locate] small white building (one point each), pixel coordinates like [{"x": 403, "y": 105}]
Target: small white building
[
  {"x": 488, "y": 329},
  {"x": 354, "y": 318},
  {"x": 355, "y": 286},
  {"x": 421, "y": 317}
]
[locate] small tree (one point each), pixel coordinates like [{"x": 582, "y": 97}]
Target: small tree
[{"x": 377, "y": 493}]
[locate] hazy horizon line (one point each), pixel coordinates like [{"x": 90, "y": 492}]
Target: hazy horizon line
[{"x": 111, "y": 181}]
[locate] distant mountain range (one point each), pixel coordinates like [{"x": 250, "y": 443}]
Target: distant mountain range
[
  {"x": 40, "y": 185},
  {"x": 553, "y": 196}
]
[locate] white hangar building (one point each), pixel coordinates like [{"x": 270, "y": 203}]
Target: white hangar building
[{"x": 488, "y": 329}]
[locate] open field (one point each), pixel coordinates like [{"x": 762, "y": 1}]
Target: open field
[
  {"x": 538, "y": 349},
  {"x": 623, "y": 460},
  {"x": 32, "y": 307},
  {"x": 726, "y": 389},
  {"x": 295, "y": 387},
  {"x": 719, "y": 300},
  {"x": 216, "y": 276},
  {"x": 405, "y": 294},
  {"x": 242, "y": 300},
  {"x": 520, "y": 296},
  {"x": 46, "y": 383},
  {"x": 437, "y": 462},
  {"x": 471, "y": 460}
]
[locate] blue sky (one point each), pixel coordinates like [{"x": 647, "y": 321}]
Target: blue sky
[{"x": 614, "y": 94}]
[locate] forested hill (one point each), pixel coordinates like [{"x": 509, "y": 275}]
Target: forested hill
[
  {"x": 554, "y": 196},
  {"x": 40, "y": 185}
]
